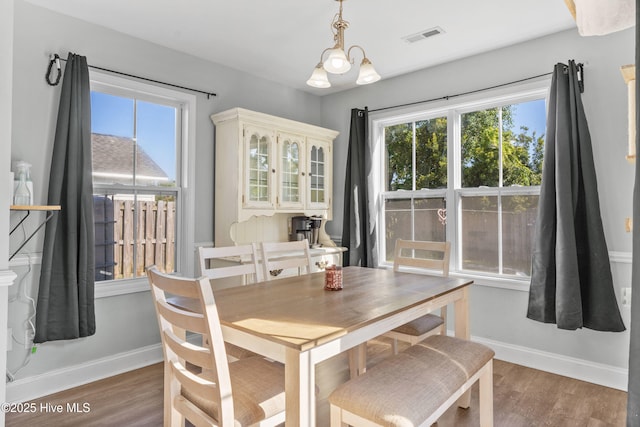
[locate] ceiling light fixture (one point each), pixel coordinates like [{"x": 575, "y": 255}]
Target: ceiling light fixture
[{"x": 337, "y": 62}]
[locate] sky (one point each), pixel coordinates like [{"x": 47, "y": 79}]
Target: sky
[
  {"x": 156, "y": 126},
  {"x": 531, "y": 114}
]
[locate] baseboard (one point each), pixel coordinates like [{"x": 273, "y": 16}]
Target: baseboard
[
  {"x": 37, "y": 386},
  {"x": 580, "y": 369},
  {"x": 30, "y": 388}
]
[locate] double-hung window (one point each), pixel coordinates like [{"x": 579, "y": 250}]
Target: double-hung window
[
  {"x": 139, "y": 134},
  {"x": 467, "y": 172}
]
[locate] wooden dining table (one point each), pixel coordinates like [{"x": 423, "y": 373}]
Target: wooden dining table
[{"x": 294, "y": 320}]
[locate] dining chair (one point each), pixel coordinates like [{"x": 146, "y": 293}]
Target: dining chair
[
  {"x": 280, "y": 256},
  {"x": 226, "y": 262},
  {"x": 426, "y": 256},
  {"x": 199, "y": 383},
  {"x": 230, "y": 261}
]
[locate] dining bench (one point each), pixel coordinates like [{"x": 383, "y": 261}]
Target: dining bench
[{"x": 416, "y": 386}]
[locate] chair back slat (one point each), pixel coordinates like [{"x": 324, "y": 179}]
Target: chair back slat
[
  {"x": 188, "y": 321},
  {"x": 285, "y": 255},
  {"x": 194, "y": 354},
  {"x": 410, "y": 253},
  {"x": 230, "y": 261}
]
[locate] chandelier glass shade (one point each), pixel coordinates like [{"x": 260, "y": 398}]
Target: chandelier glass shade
[{"x": 334, "y": 60}]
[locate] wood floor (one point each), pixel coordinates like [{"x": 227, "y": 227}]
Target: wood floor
[{"x": 522, "y": 397}]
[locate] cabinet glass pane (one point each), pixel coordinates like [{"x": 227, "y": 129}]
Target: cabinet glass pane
[
  {"x": 290, "y": 168},
  {"x": 317, "y": 175},
  {"x": 258, "y": 168}
]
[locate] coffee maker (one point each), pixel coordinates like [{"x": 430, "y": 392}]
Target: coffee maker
[
  {"x": 300, "y": 228},
  {"x": 316, "y": 222}
]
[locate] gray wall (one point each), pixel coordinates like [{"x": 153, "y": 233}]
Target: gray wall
[
  {"x": 499, "y": 314},
  {"x": 127, "y": 322},
  {"x": 6, "y": 80}
]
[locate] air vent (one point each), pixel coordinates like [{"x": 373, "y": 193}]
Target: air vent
[{"x": 412, "y": 38}]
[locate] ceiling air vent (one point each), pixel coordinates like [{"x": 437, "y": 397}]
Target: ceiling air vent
[{"x": 412, "y": 38}]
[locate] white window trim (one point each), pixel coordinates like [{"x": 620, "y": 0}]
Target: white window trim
[
  {"x": 452, "y": 108},
  {"x": 186, "y": 216}
]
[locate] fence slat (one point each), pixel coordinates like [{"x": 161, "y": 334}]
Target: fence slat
[
  {"x": 171, "y": 237},
  {"x": 127, "y": 247}
]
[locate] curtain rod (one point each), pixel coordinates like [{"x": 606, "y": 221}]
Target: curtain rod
[
  {"x": 55, "y": 58},
  {"x": 447, "y": 97}
]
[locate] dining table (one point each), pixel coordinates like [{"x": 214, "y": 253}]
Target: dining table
[{"x": 294, "y": 320}]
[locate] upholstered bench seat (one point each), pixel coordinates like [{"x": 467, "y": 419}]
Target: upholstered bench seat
[
  {"x": 414, "y": 387},
  {"x": 421, "y": 325}
]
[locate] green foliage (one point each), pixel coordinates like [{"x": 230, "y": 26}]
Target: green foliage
[{"x": 522, "y": 152}]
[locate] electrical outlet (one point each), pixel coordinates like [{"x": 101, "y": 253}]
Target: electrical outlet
[
  {"x": 626, "y": 297},
  {"x": 9, "y": 339}
]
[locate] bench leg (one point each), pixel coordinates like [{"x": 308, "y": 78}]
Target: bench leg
[
  {"x": 486, "y": 396},
  {"x": 336, "y": 417}
]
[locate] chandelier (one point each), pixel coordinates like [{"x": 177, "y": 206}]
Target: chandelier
[{"x": 337, "y": 62}]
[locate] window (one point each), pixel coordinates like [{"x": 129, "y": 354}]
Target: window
[
  {"x": 139, "y": 137},
  {"x": 469, "y": 173}
]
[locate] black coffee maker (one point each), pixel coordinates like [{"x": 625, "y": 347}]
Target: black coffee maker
[{"x": 300, "y": 228}]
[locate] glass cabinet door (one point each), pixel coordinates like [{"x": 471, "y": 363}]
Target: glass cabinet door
[
  {"x": 259, "y": 169},
  {"x": 291, "y": 175},
  {"x": 318, "y": 176}
]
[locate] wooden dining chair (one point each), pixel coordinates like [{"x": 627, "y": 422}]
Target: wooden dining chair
[
  {"x": 280, "y": 256},
  {"x": 231, "y": 261},
  {"x": 427, "y": 257},
  {"x": 199, "y": 383}
]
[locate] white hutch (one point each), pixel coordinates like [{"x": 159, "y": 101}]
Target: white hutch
[{"x": 269, "y": 169}]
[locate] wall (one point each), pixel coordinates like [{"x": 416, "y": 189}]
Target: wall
[
  {"x": 499, "y": 315},
  {"x": 6, "y": 79},
  {"x": 126, "y": 325}
]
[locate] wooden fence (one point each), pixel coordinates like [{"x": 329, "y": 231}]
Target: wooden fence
[{"x": 149, "y": 240}]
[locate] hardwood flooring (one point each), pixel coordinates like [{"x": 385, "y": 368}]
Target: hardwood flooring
[{"x": 523, "y": 397}]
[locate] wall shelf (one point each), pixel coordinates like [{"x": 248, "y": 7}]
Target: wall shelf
[{"x": 50, "y": 210}]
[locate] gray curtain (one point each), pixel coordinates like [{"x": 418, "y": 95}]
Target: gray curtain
[
  {"x": 65, "y": 307},
  {"x": 571, "y": 283},
  {"x": 358, "y": 229},
  {"x": 633, "y": 396}
]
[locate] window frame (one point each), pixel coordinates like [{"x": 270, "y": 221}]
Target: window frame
[
  {"x": 185, "y": 215},
  {"x": 452, "y": 109}
]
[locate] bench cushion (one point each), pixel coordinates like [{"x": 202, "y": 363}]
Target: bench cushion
[
  {"x": 405, "y": 389},
  {"x": 421, "y": 325}
]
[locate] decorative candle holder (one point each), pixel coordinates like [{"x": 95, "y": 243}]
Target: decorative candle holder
[{"x": 333, "y": 278}]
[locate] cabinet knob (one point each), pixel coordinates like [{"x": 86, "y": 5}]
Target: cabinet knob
[
  {"x": 273, "y": 171},
  {"x": 302, "y": 173}
]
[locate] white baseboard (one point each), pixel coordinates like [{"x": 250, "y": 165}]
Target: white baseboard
[
  {"x": 30, "y": 388},
  {"x": 37, "y": 386},
  {"x": 580, "y": 369}
]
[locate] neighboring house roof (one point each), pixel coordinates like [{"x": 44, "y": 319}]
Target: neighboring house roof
[{"x": 113, "y": 160}]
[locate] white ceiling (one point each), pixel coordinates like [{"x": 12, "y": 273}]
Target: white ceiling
[{"x": 281, "y": 40}]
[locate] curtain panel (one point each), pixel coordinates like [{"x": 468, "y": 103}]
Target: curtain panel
[
  {"x": 571, "y": 282},
  {"x": 358, "y": 229},
  {"x": 65, "y": 307}
]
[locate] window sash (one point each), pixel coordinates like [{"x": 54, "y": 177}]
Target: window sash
[
  {"x": 453, "y": 194},
  {"x": 185, "y": 172}
]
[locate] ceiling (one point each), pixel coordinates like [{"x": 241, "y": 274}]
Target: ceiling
[{"x": 281, "y": 40}]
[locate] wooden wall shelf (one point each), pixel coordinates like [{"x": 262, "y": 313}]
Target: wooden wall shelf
[{"x": 50, "y": 210}]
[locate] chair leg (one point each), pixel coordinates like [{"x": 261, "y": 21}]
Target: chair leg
[
  {"x": 336, "y": 417},
  {"x": 486, "y": 396},
  {"x": 394, "y": 346}
]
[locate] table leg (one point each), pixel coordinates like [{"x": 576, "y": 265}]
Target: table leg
[
  {"x": 358, "y": 360},
  {"x": 299, "y": 374},
  {"x": 461, "y": 308}
]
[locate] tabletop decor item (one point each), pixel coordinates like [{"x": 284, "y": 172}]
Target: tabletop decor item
[{"x": 333, "y": 278}]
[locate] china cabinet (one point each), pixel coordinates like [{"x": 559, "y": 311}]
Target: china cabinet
[{"x": 268, "y": 169}]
